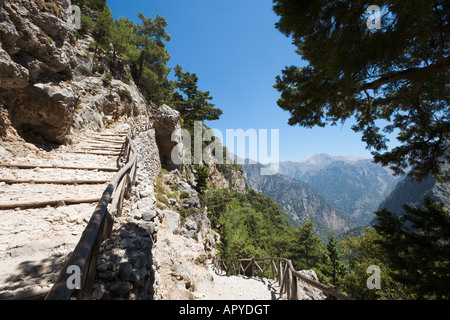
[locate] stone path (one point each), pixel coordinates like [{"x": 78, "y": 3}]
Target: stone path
[{"x": 35, "y": 242}]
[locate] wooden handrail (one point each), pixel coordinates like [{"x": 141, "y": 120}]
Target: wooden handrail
[
  {"x": 286, "y": 275},
  {"x": 85, "y": 254}
]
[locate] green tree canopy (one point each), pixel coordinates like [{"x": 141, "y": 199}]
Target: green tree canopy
[
  {"x": 362, "y": 252},
  {"x": 398, "y": 74},
  {"x": 103, "y": 29},
  {"x": 308, "y": 251},
  {"x": 417, "y": 247},
  {"x": 336, "y": 268},
  {"x": 251, "y": 225},
  {"x": 96, "y": 5},
  {"x": 192, "y": 103},
  {"x": 150, "y": 35},
  {"x": 123, "y": 39},
  {"x": 150, "y": 69}
]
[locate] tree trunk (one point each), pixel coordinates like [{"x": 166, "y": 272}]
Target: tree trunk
[
  {"x": 140, "y": 69},
  {"x": 95, "y": 52}
]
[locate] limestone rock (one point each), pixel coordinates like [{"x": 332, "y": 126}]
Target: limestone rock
[
  {"x": 308, "y": 292},
  {"x": 46, "y": 79},
  {"x": 41, "y": 40},
  {"x": 169, "y": 136},
  {"x": 172, "y": 220},
  {"x": 13, "y": 75},
  {"x": 149, "y": 215}
]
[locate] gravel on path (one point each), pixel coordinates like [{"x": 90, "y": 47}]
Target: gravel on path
[{"x": 238, "y": 288}]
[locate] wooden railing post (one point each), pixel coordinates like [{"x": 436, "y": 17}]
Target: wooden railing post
[
  {"x": 294, "y": 288},
  {"x": 287, "y": 285},
  {"x": 252, "y": 265}
]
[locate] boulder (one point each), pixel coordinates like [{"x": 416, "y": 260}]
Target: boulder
[
  {"x": 148, "y": 215},
  {"x": 190, "y": 224},
  {"x": 167, "y": 126},
  {"x": 172, "y": 220},
  {"x": 42, "y": 111}
]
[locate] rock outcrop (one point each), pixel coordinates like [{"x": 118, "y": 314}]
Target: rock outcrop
[
  {"x": 167, "y": 124},
  {"x": 37, "y": 42},
  {"x": 46, "y": 83},
  {"x": 36, "y": 47},
  {"x": 226, "y": 176}
]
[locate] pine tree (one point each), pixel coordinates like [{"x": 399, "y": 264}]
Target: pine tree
[
  {"x": 307, "y": 248},
  {"x": 202, "y": 175},
  {"x": 148, "y": 59},
  {"x": 151, "y": 33},
  {"x": 397, "y": 74},
  {"x": 192, "y": 103},
  {"x": 335, "y": 269},
  {"x": 417, "y": 248},
  {"x": 103, "y": 30},
  {"x": 123, "y": 39}
]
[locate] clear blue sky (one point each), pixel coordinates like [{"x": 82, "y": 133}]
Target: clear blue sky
[{"x": 236, "y": 52}]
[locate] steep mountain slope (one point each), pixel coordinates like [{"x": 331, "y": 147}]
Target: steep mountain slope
[
  {"x": 353, "y": 184},
  {"x": 298, "y": 200},
  {"x": 412, "y": 193}
]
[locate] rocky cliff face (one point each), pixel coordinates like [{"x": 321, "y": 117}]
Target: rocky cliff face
[
  {"x": 46, "y": 87},
  {"x": 225, "y": 176},
  {"x": 412, "y": 193}
]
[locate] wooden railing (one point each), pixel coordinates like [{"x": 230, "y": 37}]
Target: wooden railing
[
  {"x": 276, "y": 268},
  {"x": 85, "y": 255}
]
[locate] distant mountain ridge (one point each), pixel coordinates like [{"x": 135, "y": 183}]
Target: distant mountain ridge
[
  {"x": 299, "y": 200},
  {"x": 323, "y": 158},
  {"x": 354, "y": 184}
]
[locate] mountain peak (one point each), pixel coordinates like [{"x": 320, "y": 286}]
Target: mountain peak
[{"x": 323, "y": 158}]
